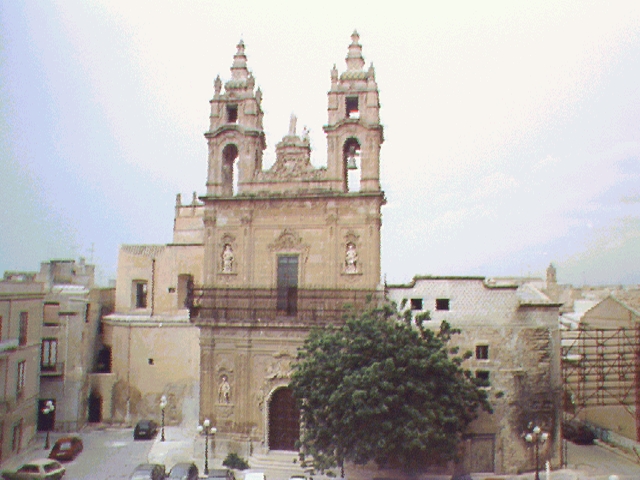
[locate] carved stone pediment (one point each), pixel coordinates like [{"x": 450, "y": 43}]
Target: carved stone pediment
[
  {"x": 293, "y": 162},
  {"x": 288, "y": 241}
]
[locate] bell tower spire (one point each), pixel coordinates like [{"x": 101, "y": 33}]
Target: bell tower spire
[
  {"x": 239, "y": 69},
  {"x": 353, "y": 130},
  {"x": 354, "y": 59},
  {"x": 236, "y": 137}
]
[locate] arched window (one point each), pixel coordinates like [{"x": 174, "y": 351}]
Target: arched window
[
  {"x": 352, "y": 166},
  {"x": 229, "y": 170}
]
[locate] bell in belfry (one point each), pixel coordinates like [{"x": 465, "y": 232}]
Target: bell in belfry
[{"x": 351, "y": 158}]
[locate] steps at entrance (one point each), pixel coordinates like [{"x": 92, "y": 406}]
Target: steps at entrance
[{"x": 278, "y": 461}]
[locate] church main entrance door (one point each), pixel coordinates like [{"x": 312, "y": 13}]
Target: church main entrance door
[{"x": 284, "y": 421}]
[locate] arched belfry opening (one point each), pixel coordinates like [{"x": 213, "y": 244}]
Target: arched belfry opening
[
  {"x": 229, "y": 170},
  {"x": 284, "y": 420},
  {"x": 351, "y": 164}
]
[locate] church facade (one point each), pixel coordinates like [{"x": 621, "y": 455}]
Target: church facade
[{"x": 284, "y": 248}]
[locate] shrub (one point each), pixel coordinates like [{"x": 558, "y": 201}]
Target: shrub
[{"x": 235, "y": 462}]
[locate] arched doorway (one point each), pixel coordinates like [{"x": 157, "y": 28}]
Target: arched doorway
[{"x": 284, "y": 421}]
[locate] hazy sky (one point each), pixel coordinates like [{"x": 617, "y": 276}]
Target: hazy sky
[{"x": 512, "y": 129}]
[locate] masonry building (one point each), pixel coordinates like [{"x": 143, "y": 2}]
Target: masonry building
[
  {"x": 21, "y": 299},
  {"x": 285, "y": 248},
  {"x": 511, "y": 329}
]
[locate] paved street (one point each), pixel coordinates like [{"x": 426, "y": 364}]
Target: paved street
[
  {"x": 111, "y": 454},
  {"x": 108, "y": 454},
  {"x": 593, "y": 461}
]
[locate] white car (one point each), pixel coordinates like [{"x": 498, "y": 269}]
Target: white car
[
  {"x": 255, "y": 476},
  {"x": 36, "y": 469}
]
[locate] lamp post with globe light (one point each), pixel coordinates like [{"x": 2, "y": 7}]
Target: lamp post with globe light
[
  {"x": 48, "y": 409},
  {"x": 537, "y": 437},
  {"x": 207, "y": 431},
  {"x": 163, "y": 405}
]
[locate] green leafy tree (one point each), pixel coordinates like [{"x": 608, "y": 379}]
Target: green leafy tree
[{"x": 382, "y": 387}]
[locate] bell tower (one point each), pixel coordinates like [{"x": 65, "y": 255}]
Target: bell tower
[
  {"x": 236, "y": 136},
  {"x": 354, "y": 133}
]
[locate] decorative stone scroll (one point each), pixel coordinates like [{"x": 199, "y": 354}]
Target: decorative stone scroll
[{"x": 289, "y": 241}]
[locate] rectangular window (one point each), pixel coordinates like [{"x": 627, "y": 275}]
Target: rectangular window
[
  {"x": 482, "y": 352},
  {"x": 416, "y": 304},
  {"x": 51, "y": 314},
  {"x": 140, "y": 294},
  {"x": 49, "y": 354},
  {"x": 352, "y": 107},
  {"x": 442, "y": 304},
  {"x": 232, "y": 113},
  {"x": 482, "y": 378},
  {"x": 22, "y": 329},
  {"x": 87, "y": 313},
  {"x": 288, "y": 284},
  {"x": 21, "y": 379}
]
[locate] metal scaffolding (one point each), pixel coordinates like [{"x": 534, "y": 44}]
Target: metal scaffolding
[{"x": 601, "y": 367}]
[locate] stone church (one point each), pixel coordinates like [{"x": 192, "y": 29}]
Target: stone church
[
  {"x": 262, "y": 257},
  {"x": 284, "y": 248},
  {"x": 213, "y": 320}
]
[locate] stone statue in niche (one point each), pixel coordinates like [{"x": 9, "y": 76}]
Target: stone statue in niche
[
  {"x": 224, "y": 390},
  {"x": 227, "y": 259},
  {"x": 351, "y": 259}
]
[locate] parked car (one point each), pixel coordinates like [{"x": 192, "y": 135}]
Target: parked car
[
  {"x": 145, "y": 429},
  {"x": 255, "y": 476},
  {"x": 148, "y": 471},
  {"x": 221, "y": 474},
  {"x": 44, "y": 468},
  {"x": 577, "y": 432},
  {"x": 66, "y": 448},
  {"x": 184, "y": 471}
]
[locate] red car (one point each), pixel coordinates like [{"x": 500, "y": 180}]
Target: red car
[{"x": 66, "y": 448}]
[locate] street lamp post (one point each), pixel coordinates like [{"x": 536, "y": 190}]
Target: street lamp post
[
  {"x": 537, "y": 437},
  {"x": 49, "y": 407},
  {"x": 163, "y": 405},
  {"x": 207, "y": 431}
]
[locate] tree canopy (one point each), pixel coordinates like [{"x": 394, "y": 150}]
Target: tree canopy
[{"x": 382, "y": 387}]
